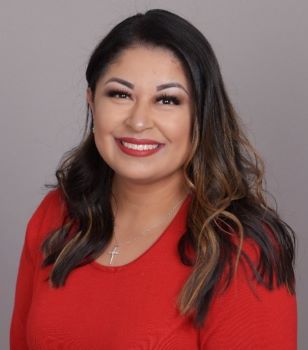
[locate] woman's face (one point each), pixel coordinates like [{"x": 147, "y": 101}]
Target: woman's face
[{"x": 142, "y": 113}]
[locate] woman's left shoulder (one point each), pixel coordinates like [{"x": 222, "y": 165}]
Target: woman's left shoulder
[
  {"x": 248, "y": 315},
  {"x": 247, "y": 279}
]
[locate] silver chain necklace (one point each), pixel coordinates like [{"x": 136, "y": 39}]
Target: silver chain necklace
[{"x": 115, "y": 250}]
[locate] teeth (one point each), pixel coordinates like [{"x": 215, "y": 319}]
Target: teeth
[{"x": 138, "y": 147}]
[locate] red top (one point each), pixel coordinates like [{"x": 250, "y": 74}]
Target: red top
[{"x": 134, "y": 306}]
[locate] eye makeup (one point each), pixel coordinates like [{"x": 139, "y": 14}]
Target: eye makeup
[
  {"x": 123, "y": 94},
  {"x": 164, "y": 97},
  {"x": 117, "y": 92}
]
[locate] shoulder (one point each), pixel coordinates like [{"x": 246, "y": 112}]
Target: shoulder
[
  {"x": 50, "y": 207},
  {"x": 48, "y": 215},
  {"x": 247, "y": 312},
  {"x": 245, "y": 284}
]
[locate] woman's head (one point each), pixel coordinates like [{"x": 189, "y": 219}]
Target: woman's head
[
  {"x": 142, "y": 115},
  {"x": 160, "y": 31}
]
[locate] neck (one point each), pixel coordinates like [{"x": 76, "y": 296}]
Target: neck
[{"x": 147, "y": 200}]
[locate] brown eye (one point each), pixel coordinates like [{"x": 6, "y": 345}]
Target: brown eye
[
  {"x": 121, "y": 94},
  {"x": 168, "y": 100}
]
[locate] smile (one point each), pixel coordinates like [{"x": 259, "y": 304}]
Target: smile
[{"x": 138, "y": 147}]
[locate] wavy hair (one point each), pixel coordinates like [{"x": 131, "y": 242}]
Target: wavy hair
[{"x": 224, "y": 172}]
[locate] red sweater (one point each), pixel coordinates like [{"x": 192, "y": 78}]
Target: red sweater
[{"x": 134, "y": 306}]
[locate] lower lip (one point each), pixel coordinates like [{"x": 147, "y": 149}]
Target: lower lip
[{"x": 137, "y": 153}]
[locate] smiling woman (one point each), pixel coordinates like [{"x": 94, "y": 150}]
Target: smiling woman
[{"x": 157, "y": 234}]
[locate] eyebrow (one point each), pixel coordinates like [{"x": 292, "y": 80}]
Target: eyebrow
[{"x": 158, "y": 88}]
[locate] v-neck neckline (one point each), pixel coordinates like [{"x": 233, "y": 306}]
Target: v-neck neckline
[{"x": 131, "y": 264}]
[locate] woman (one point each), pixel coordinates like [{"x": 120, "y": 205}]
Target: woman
[{"x": 157, "y": 234}]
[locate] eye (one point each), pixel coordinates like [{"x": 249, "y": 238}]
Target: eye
[
  {"x": 121, "y": 94},
  {"x": 168, "y": 99}
]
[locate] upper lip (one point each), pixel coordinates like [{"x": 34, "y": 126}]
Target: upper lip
[{"x": 139, "y": 141}]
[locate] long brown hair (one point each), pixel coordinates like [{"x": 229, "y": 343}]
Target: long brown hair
[{"x": 224, "y": 173}]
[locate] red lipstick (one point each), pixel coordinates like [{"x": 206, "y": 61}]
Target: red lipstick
[
  {"x": 139, "y": 141},
  {"x": 133, "y": 146}
]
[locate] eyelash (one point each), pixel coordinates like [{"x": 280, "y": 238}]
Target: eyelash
[{"x": 173, "y": 99}]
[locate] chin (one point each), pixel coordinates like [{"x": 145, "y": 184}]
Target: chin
[{"x": 139, "y": 177}]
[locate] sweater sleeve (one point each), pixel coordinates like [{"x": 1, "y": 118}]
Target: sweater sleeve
[
  {"x": 249, "y": 316},
  {"x": 25, "y": 276}
]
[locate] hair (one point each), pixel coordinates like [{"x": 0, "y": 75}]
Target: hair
[{"x": 223, "y": 171}]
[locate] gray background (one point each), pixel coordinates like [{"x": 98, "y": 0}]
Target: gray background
[{"x": 263, "y": 52}]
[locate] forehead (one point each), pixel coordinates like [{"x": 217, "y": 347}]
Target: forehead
[{"x": 141, "y": 62}]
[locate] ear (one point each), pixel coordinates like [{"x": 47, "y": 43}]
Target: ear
[{"x": 90, "y": 99}]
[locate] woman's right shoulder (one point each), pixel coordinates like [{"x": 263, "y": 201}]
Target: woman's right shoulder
[
  {"x": 50, "y": 208},
  {"x": 48, "y": 216}
]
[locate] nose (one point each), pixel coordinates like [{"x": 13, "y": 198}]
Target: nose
[{"x": 139, "y": 117}]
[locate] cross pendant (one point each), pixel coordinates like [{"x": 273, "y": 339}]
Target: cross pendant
[{"x": 113, "y": 252}]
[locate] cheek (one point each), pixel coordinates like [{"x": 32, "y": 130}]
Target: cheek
[
  {"x": 178, "y": 135},
  {"x": 183, "y": 135},
  {"x": 105, "y": 123},
  {"x": 177, "y": 130},
  {"x": 105, "y": 119}
]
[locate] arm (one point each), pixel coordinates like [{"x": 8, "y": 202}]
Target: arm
[
  {"x": 249, "y": 316},
  {"x": 23, "y": 294},
  {"x": 25, "y": 276}
]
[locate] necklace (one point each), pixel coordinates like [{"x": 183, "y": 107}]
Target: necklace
[{"x": 115, "y": 250}]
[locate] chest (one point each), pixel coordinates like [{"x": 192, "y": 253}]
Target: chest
[
  {"x": 120, "y": 310},
  {"x": 123, "y": 251}
]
